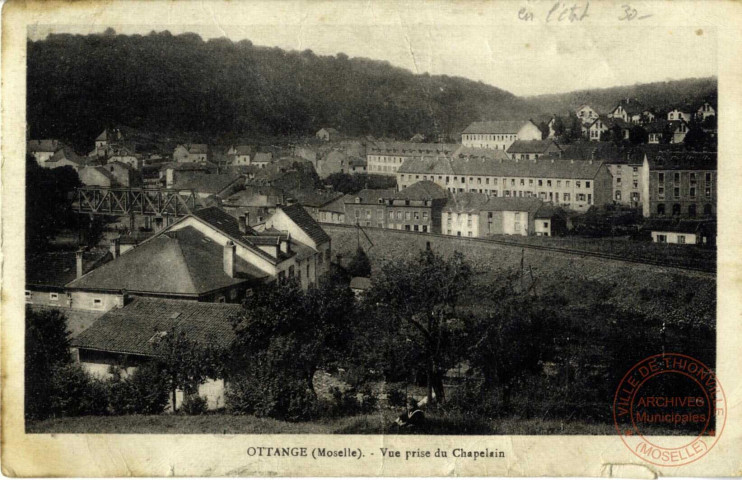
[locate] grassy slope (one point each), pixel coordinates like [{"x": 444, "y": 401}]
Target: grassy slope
[{"x": 656, "y": 290}]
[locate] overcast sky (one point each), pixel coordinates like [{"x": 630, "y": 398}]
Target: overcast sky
[{"x": 524, "y": 61}]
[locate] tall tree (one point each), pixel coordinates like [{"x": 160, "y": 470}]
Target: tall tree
[{"x": 419, "y": 297}]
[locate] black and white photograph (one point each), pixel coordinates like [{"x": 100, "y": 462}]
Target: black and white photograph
[{"x": 398, "y": 229}]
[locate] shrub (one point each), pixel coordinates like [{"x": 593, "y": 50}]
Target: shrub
[
  {"x": 73, "y": 392},
  {"x": 194, "y": 405},
  {"x": 353, "y": 402},
  {"x": 145, "y": 392},
  {"x": 284, "y": 399},
  {"x": 396, "y": 396}
]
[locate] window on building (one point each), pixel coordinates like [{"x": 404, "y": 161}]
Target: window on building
[
  {"x": 566, "y": 197},
  {"x": 692, "y": 192},
  {"x": 676, "y": 177},
  {"x": 540, "y": 183},
  {"x": 692, "y": 178},
  {"x": 708, "y": 192},
  {"x": 97, "y": 302},
  {"x": 53, "y": 296},
  {"x": 618, "y": 180},
  {"x": 577, "y": 184},
  {"x": 559, "y": 183},
  {"x": 676, "y": 209},
  {"x": 635, "y": 184},
  {"x": 618, "y": 196},
  {"x": 587, "y": 184},
  {"x": 548, "y": 183},
  {"x": 660, "y": 209},
  {"x": 681, "y": 239},
  {"x": 407, "y": 216},
  {"x": 661, "y": 193},
  {"x": 676, "y": 192},
  {"x": 530, "y": 182},
  {"x": 708, "y": 178},
  {"x": 661, "y": 238},
  {"x": 425, "y": 215},
  {"x": 28, "y": 295},
  {"x": 661, "y": 177}
]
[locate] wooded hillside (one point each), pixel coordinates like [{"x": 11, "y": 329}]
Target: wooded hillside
[
  {"x": 217, "y": 91},
  {"x": 77, "y": 84}
]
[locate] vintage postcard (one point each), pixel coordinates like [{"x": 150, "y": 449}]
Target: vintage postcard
[{"x": 371, "y": 238}]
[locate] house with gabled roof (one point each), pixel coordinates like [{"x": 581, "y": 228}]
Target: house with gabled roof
[
  {"x": 681, "y": 112},
  {"x": 586, "y": 114},
  {"x": 240, "y": 154},
  {"x": 707, "y": 108},
  {"x": 191, "y": 153},
  {"x": 65, "y": 157},
  {"x": 127, "y": 337},
  {"x": 629, "y": 110},
  {"x": 208, "y": 256},
  {"x": 531, "y": 149},
  {"x": 43, "y": 150},
  {"x": 499, "y": 134}
]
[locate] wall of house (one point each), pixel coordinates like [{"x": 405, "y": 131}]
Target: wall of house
[
  {"x": 91, "y": 176},
  {"x": 577, "y": 194},
  {"x": 542, "y": 227},
  {"x": 460, "y": 224},
  {"x": 682, "y": 192},
  {"x": 180, "y": 154},
  {"x": 95, "y": 302},
  {"x": 627, "y": 184},
  {"x": 38, "y": 296},
  {"x": 101, "y": 365},
  {"x": 675, "y": 237}
]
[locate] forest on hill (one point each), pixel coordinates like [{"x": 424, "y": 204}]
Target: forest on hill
[
  {"x": 219, "y": 91},
  {"x": 216, "y": 88},
  {"x": 658, "y": 95}
]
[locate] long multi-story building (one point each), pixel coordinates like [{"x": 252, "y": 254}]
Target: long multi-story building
[
  {"x": 384, "y": 158},
  {"x": 499, "y": 135},
  {"x": 680, "y": 184},
  {"x": 574, "y": 184},
  {"x": 416, "y": 209}
]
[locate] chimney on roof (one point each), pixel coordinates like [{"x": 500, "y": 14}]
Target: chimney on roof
[
  {"x": 78, "y": 263},
  {"x": 116, "y": 247},
  {"x": 229, "y": 250},
  {"x": 243, "y": 223}
]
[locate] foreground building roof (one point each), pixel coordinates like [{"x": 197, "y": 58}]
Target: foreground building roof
[
  {"x": 135, "y": 328},
  {"x": 182, "y": 263}
]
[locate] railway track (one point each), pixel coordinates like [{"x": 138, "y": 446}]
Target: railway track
[{"x": 567, "y": 251}]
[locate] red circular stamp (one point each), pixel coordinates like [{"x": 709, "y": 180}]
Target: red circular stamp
[{"x": 669, "y": 409}]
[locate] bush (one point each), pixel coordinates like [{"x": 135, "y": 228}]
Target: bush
[
  {"x": 396, "y": 396},
  {"x": 282, "y": 399},
  {"x": 73, "y": 392},
  {"x": 353, "y": 402},
  {"x": 474, "y": 398},
  {"x": 194, "y": 405},
  {"x": 145, "y": 392}
]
